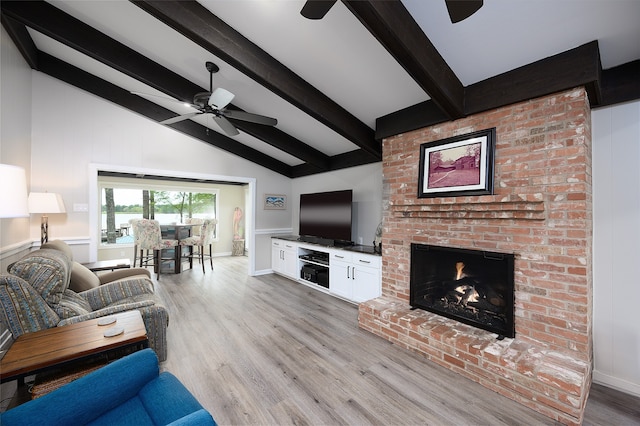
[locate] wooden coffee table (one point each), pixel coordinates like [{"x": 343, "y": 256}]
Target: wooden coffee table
[{"x": 32, "y": 353}]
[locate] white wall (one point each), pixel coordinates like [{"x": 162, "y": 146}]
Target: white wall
[
  {"x": 72, "y": 130},
  {"x": 616, "y": 220},
  {"x": 15, "y": 138}
]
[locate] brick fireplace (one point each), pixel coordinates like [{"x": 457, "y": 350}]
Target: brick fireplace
[{"x": 541, "y": 213}]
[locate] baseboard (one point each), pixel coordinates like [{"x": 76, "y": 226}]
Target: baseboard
[
  {"x": 263, "y": 272},
  {"x": 222, "y": 254},
  {"x": 616, "y": 383}
]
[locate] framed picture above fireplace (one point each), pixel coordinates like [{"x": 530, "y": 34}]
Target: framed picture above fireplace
[{"x": 459, "y": 165}]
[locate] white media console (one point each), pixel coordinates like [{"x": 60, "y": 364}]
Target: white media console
[{"x": 348, "y": 273}]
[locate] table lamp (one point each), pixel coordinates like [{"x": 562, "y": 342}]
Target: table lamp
[
  {"x": 46, "y": 203},
  {"x": 13, "y": 192}
]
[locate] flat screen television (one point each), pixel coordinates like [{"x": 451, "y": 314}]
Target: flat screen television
[{"x": 326, "y": 216}]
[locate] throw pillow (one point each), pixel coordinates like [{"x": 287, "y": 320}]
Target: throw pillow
[
  {"x": 82, "y": 278},
  {"x": 23, "y": 310}
]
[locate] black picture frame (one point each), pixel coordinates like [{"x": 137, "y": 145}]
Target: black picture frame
[{"x": 457, "y": 166}]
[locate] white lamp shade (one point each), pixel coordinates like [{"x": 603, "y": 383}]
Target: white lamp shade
[
  {"x": 13, "y": 192},
  {"x": 220, "y": 98},
  {"x": 45, "y": 202}
]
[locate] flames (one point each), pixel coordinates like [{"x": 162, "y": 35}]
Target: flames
[
  {"x": 465, "y": 293},
  {"x": 459, "y": 268}
]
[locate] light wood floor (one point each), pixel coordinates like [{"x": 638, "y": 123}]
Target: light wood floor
[{"x": 266, "y": 350}]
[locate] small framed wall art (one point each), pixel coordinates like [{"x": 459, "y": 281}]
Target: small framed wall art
[
  {"x": 460, "y": 165},
  {"x": 275, "y": 202}
]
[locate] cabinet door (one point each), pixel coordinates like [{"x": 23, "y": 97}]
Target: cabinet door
[
  {"x": 366, "y": 283},
  {"x": 340, "y": 274},
  {"x": 366, "y": 277},
  {"x": 290, "y": 266},
  {"x": 277, "y": 257},
  {"x": 340, "y": 279}
]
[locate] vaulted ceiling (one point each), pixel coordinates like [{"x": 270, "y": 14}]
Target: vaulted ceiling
[{"x": 337, "y": 86}]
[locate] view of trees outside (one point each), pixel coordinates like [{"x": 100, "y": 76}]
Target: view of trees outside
[{"x": 120, "y": 205}]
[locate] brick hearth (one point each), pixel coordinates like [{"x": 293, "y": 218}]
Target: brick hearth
[{"x": 541, "y": 212}]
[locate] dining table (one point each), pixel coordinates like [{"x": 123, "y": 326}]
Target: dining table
[{"x": 176, "y": 231}]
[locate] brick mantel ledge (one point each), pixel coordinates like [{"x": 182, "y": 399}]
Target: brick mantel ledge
[
  {"x": 511, "y": 206},
  {"x": 525, "y": 371}
]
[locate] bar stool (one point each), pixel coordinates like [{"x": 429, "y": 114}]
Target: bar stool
[
  {"x": 134, "y": 234},
  {"x": 197, "y": 225},
  {"x": 148, "y": 236},
  {"x": 144, "y": 258},
  {"x": 201, "y": 241}
]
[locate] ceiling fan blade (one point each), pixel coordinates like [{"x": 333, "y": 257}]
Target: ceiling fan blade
[
  {"x": 180, "y": 118},
  {"x": 316, "y": 9},
  {"x": 226, "y": 125},
  {"x": 462, "y": 9},
  {"x": 220, "y": 98},
  {"x": 253, "y": 118}
]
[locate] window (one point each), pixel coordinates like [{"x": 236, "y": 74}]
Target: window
[{"x": 166, "y": 202}]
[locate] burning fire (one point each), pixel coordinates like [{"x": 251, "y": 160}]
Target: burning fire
[
  {"x": 459, "y": 268},
  {"x": 467, "y": 293}
]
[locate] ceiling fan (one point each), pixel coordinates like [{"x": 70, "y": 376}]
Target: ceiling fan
[
  {"x": 215, "y": 102},
  {"x": 458, "y": 9}
]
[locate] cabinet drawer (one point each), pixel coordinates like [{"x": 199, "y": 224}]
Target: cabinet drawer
[
  {"x": 366, "y": 260},
  {"x": 341, "y": 256},
  {"x": 284, "y": 245}
]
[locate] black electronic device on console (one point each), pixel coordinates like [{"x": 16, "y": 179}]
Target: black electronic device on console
[
  {"x": 315, "y": 274},
  {"x": 322, "y": 258}
]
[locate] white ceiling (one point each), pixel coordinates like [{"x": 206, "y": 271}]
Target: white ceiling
[
  {"x": 338, "y": 55},
  {"x": 506, "y": 34}
]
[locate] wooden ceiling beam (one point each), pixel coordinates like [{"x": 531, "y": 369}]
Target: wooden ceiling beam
[
  {"x": 346, "y": 160},
  {"x": 106, "y": 90},
  {"x": 573, "y": 68},
  {"x": 415, "y": 117},
  {"x": 21, "y": 38},
  {"x": 394, "y": 27},
  {"x": 578, "y": 67},
  {"x": 68, "y": 30},
  {"x": 197, "y": 23},
  {"x": 621, "y": 84}
]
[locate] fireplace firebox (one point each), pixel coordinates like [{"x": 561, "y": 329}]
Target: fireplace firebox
[{"x": 471, "y": 286}]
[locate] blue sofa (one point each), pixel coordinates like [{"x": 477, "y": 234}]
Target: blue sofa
[{"x": 129, "y": 391}]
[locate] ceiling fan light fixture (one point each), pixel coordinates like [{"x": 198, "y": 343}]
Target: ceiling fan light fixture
[{"x": 220, "y": 98}]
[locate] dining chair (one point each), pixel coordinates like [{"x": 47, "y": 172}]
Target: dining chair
[
  {"x": 148, "y": 236},
  {"x": 143, "y": 258},
  {"x": 196, "y": 229},
  {"x": 199, "y": 242}
]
